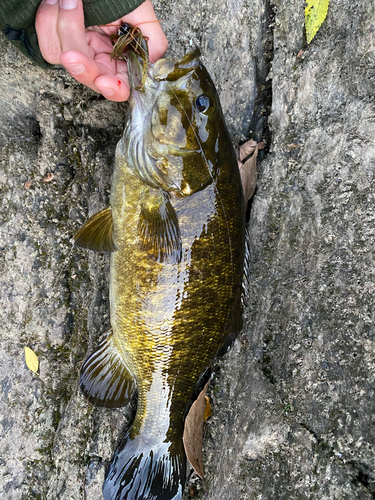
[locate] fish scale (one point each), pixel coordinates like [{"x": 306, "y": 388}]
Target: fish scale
[{"x": 175, "y": 229}]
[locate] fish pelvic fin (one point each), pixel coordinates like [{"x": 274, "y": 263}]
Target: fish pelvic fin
[
  {"x": 159, "y": 229},
  {"x": 105, "y": 379},
  {"x": 97, "y": 232},
  {"x": 139, "y": 471}
]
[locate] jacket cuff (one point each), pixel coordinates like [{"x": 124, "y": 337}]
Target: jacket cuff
[{"x": 105, "y": 12}]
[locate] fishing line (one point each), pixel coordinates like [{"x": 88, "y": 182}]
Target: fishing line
[
  {"x": 68, "y": 257},
  {"x": 38, "y": 301},
  {"x": 201, "y": 150},
  {"x": 210, "y": 173},
  {"x": 48, "y": 300},
  {"x": 215, "y": 188},
  {"x": 140, "y": 48}
]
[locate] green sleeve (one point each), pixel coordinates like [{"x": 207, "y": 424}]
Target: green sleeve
[{"x": 17, "y": 21}]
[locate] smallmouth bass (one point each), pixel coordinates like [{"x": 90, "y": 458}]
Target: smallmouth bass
[{"x": 175, "y": 230}]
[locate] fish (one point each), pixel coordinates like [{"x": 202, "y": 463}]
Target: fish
[{"x": 175, "y": 230}]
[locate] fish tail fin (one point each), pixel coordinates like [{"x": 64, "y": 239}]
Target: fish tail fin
[{"x": 140, "y": 471}]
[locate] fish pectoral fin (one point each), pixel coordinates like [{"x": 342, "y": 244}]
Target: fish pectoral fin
[
  {"x": 159, "y": 229},
  {"x": 97, "y": 233},
  {"x": 105, "y": 379}
]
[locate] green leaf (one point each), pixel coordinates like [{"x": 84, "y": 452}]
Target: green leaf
[
  {"x": 31, "y": 359},
  {"x": 315, "y": 13}
]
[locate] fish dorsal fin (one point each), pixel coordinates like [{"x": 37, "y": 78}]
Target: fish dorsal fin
[
  {"x": 97, "y": 232},
  {"x": 159, "y": 230},
  {"x": 105, "y": 379}
]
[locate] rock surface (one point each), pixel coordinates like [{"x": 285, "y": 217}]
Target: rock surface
[{"x": 293, "y": 401}]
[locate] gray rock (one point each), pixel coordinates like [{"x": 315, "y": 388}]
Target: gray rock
[{"x": 293, "y": 401}]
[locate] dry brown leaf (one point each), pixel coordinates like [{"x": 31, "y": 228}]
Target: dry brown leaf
[
  {"x": 193, "y": 432},
  {"x": 246, "y": 149},
  {"x": 28, "y": 184},
  {"x": 249, "y": 175},
  {"x": 248, "y": 169},
  {"x": 48, "y": 177},
  {"x": 31, "y": 359},
  {"x": 292, "y": 146}
]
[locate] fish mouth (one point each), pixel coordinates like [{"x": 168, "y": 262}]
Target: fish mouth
[
  {"x": 166, "y": 69},
  {"x": 163, "y": 69}
]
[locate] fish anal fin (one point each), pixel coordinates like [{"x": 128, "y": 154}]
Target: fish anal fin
[
  {"x": 97, "y": 233},
  {"x": 105, "y": 379},
  {"x": 159, "y": 229}
]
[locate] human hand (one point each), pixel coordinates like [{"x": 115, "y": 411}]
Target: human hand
[{"x": 85, "y": 53}]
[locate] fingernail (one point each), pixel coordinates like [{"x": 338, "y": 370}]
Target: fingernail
[
  {"x": 75, "y": 69},
  {"x": 106, "y": 91},
  {"x": 50, "y": 2},
  {"x": 68, "y": 4}
]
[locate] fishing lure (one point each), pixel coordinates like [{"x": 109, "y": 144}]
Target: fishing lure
[{"x": 127, "y": 38}]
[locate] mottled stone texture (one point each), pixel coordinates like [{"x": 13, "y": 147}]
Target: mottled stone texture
[
  {"x": 296, "y": 413},
  {"x": 293, "y": 401}
]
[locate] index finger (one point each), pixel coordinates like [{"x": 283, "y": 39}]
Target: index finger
[{"x": 71, "y": 28}]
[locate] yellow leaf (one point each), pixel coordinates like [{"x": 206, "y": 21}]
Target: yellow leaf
[
  {"x": 208, "y": 409},
  {"x": 315, "y": 13},
  {"x": 31, "y": 359}
]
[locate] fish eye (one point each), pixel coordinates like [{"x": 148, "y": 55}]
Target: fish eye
[{"x": 202, "y": 103}]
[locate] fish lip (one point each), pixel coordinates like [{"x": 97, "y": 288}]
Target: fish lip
[
  {"x": 136, "y": 67},
  {"x": 174, "y": 70}
]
